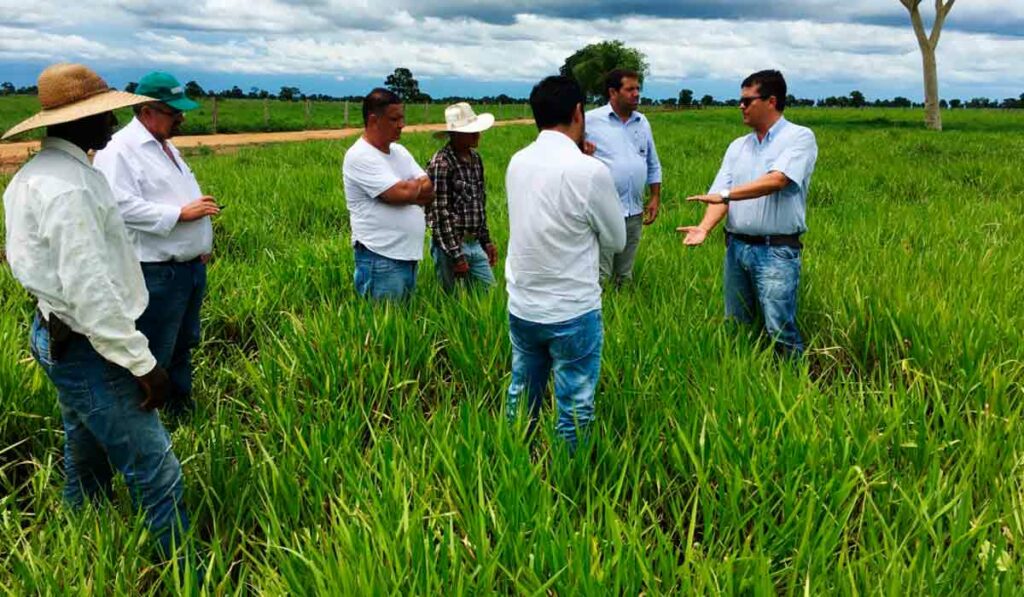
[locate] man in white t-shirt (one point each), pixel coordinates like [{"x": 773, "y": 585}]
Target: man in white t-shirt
[
  {"x": 385, "y": 190},
  {"x": 563, "y": 210}
]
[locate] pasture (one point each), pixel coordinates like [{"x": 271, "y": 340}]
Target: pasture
[{"x": 346, "y": 448}]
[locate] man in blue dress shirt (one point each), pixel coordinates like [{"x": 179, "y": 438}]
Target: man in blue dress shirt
[
  {"x": 621, "y": 138},
  {"x": 762, "y": 190}
]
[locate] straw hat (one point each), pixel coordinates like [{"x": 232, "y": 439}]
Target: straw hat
[
  {"x": 460, "y": 118},
  {"x": 68, "y": 92}
]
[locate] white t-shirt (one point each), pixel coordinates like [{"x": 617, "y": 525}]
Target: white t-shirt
[{"x": 394, "y": 231}]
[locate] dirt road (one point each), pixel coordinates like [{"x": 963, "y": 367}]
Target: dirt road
[{"x": 13, "y": 155}]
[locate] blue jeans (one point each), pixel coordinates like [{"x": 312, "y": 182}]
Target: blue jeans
[
  {"x": 762, "y": 278},
  {"x": 171, "y": 323},
  {"x": 479, "y": 268},
  {"x": 382, "y": 278},
  {"x": 105, "y": 429},
  {"x": 573, "y": 349}
]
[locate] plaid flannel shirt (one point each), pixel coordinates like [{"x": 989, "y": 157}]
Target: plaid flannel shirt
[{"x": 460, "y": 201}]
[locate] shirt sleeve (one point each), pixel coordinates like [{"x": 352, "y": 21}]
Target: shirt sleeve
[
  {"x": 723, "y": 180},
  {"x": 442, "y": 229},
  {"x": 72, "y": 226},
  {"x": 371, "y": 175},
  {"x": 604, "y": 214},
  {"x": 796, "y": 161},
  {"x": 653, "y": 163},
  {"x": 137, "y": 212}
]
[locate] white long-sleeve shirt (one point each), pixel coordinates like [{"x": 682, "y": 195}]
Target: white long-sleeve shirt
[
  {"x": 150, "y": 192},
  {"x": 67, "y": 245},
  {"x": 562, "y": 209}
]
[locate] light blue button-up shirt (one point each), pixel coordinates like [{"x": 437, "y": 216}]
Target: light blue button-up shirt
[
  {"x": 627, "y": 148},
  {"x": 787, "y": 148}
]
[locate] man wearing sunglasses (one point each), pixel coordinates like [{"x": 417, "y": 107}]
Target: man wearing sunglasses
[
  {"x": 168, "y": 219},
  {"x": 761, "y": 190}
]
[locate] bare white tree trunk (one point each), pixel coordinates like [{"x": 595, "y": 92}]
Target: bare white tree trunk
[{"x": 928, "y": 44}]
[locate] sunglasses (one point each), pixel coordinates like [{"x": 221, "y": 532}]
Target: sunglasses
[{"x": 745, "y": 101}]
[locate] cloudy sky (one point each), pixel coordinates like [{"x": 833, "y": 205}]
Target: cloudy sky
[{"x": 475, "y": 47}]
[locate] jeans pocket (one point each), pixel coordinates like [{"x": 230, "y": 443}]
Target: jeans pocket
[
  {"x": 783, "y": 252},
  {"x": 39, "y": 344}
]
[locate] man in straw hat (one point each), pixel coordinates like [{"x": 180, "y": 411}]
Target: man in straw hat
[
  {"x": 168, "y": 217},
  {"x": 69, "y": 248},
  {"x": 460, "y": 241},
  {"x": 385, "y": 190}
]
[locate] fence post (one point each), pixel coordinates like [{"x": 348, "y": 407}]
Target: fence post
[
  {"x": 266, "y": 114},
  {"x": 213, "y": 116},
  {"x": 346, "y": 114},
  {"x": 425, "y": 118},
  {"x": 307, "y": 114}
]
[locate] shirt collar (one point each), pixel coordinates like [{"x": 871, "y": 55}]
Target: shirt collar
[
  {"x": 137, "y": 133},
  {"x": 67, "y": 147},
  {"x": 774, "y": 131},
  {"x": 609, "y": 112},
  {"x": 555, "y": 138}
]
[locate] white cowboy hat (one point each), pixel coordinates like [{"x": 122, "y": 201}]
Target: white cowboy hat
[
  {"x": 460, "y": 118},
  {"x": 69, "y": 92}
]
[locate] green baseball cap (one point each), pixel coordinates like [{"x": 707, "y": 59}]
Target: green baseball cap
[{"x": 163, "y": 87}]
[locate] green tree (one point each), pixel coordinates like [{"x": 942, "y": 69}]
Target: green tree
[
  {"x": 707, "y": 100},
  {"x": 685, "y": 97},
  {"x": 192, "y": 89},
  {"x": 402, "y": 83},
  {"x": 857, "y": 99},
  {"x": 7, "y": 88},
  {"x": 288, "y": 94},
  {"x": 131, "y": 87},
  {"x": 591, "y": 63}
]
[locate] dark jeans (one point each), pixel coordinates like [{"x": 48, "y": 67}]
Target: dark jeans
[
  {"x": 382, "y": 278},
  {"x": 573, "y": 349},
  {"x": 105, "y": 429},
  {"x": 171, "y": 323},
  {"x": 765, "y": 279}
]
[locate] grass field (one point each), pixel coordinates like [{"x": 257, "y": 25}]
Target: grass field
[
  {"x": 344, "y": 448},
  {"x": 245, "y": 115}
]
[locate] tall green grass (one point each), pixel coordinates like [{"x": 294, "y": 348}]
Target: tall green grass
[{"x": 346, "y": 448}]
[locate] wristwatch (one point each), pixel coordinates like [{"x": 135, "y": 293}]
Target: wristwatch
[{"x": 724, "y": 194}]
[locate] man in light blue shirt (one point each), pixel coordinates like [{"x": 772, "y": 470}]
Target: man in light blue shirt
[
  {"x": 621, "y": 138},
  {"x": 762, "y": 188}
]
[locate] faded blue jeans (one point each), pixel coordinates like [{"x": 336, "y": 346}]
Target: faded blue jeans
[
  {"x": 479, "y": 268},
  {"x": 105, "y": 429},
  {"x": 382, "y": 278},
  {"x": 764, "y": 279},
  {"x": 573, "y": 349},
  {"x": 171, "y": 323}
]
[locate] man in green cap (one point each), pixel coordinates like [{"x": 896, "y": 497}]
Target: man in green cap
[{"x": 168, "y": 219}]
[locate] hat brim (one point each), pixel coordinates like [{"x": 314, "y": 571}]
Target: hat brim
[
  {"x": 90, "y": 106},
  {"x": 482, "y": 123},
  {"x": 183, "y": 103}
]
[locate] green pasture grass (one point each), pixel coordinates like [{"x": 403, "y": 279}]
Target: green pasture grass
[{"x": 348, "y": 448}]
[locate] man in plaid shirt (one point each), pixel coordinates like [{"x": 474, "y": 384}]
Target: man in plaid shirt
[{"x": 460, "y": 241}]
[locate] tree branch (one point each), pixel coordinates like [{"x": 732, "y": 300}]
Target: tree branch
[
  {"x": 941, "y": 10},
  {"x": 915, "y": 19}
]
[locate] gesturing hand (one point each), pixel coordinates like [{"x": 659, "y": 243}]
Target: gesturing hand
[
  {"x": 200, "y": 208},
  {"x": 651, "y": 211},
  {"x": 588, "y": 148},
  {"x": 695, "y": 235}
]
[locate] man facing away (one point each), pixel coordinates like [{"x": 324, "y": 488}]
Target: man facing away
[
  {"x": 460, "y": 241},
  {"x": 385, "y": 190},
  {"x": 563, "y": 210},
  {"x": 762, "y": 188},
  {"x": 68, "y": 246},
  {"x": 622, "y": 139},
  {"x": 168, "y": 217}
]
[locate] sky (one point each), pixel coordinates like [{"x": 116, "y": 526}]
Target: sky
[{"x": 479, "y": 47}]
